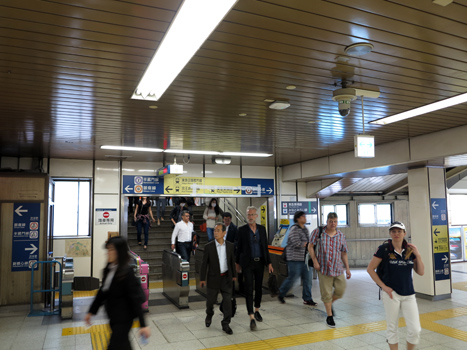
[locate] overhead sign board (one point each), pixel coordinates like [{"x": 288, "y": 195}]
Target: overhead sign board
[
  {"x": 25, "y": 243},
  {"x": 440, "y": 237},
  {"x": 290, "y": 208},
  {"x": 250, "y": 187},
  {"x": 142, "y": 185}
]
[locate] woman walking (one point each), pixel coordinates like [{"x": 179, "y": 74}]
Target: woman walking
[{"x": 142, "y": 213}]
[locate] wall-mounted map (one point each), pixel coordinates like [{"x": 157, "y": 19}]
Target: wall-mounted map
[{"x": 78, "y": 247}]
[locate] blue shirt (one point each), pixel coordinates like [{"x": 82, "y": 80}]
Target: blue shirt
[{"x": 255, "y": 244}]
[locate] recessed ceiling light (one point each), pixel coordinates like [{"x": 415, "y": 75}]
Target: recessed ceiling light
[
  {"x": 242, "y": 115},
  {"x": 268, "y": 100},
  {"x": 136, "y": 149},
  {"x": 358, "y": 49},
  {"x": 448, "y": 102},
  {"x": 290, "y": 87},
  {"x": 191, "y": 26},
  {"x": 153, "y": 107},
  {"x": 279, "y": 105}
]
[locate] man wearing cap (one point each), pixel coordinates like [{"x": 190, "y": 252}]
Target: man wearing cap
[
  {"x": 398, "y": 258},
  {"x": 330, "y": 263}
]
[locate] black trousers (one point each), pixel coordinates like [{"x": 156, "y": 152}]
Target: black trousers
[
  {"x": 184, "y": 249},
  {"x": 226, "y": 291},
  {"x": 253, "y": 275},
  {"x": 119, "y": 339}
]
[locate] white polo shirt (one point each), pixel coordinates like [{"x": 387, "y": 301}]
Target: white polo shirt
[{"x": 182, "y": 232}]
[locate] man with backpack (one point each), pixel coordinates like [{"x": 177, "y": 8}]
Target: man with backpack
[
  {"x": 295, "y": 250},
  {"x": 330, "y": 263}
]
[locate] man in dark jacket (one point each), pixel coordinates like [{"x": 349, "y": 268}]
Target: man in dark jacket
[
  {"x": 230, "y": 228},
  {"x": 175, "y": 214},
  {"x": 219, "y": 271},
  {"x": 251, "y": 257}
]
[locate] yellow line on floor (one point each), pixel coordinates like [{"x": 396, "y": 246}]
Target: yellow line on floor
[
  {"x": 160, "y": 284},
  {"x": 100, "y": 334}
]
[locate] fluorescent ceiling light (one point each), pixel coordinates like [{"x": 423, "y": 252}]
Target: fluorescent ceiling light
[
  {"x": 136, "y": 149},
  {"x": 188, "y": 151},
  {"x": 452, "y": 101},
  {"x": 244, "y": 154},
  {"x": 192, "y": 25}
]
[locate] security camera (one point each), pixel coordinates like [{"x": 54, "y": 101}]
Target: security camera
[{"x": 344, "y": 97}]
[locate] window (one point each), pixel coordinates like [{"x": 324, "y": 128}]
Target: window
[
  {"x": 72, "y": 203},
  {"x": 374, "y": 214},
  {"x": 339, "y": 209}
]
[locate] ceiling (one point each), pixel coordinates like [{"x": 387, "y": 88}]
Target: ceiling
[{"x": 68, "y": 69}]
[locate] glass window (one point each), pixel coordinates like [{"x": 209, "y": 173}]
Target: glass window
[
  {"x": 339, "y": 209},
  {"x": 72, "y": 202},
  {"x": 374, "y": 214}
]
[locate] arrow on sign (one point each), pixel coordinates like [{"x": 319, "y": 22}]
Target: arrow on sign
[
  {"x": 445, "y": 259},
  {"x": 168, "y": 189},
  {"x": 313, "y": 210},
  {"x": 237, "y": 190},
  {"x": 19, "y": 210},
  {"x": 128, "y": 188},
  {"x": 32, "y": 249},
  {"x": 269, "y": 190},
  {"x": 263, "y": 209},
  {"x": 434, "y": 205},
  {"x": 436, "y": 232}
]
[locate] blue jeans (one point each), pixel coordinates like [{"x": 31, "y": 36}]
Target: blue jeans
[
  {"x": 297, "y": 269},
  {"x": 160, "y": 206},
  {"x": 210, "y": 232},
  {"x": 139, "y": 228},
  {"x": 184, "y": 249}
]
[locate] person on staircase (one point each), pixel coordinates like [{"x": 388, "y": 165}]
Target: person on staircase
[
  {"x": 176, "y": 213},
  {"x": 142, "y": 213},
  {"x": 212, "y": 214}
]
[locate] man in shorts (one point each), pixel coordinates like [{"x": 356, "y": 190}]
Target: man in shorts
[{"x": 330, "y": 263}]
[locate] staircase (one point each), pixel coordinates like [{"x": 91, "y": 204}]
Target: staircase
[{"x": 159, "y": 240}]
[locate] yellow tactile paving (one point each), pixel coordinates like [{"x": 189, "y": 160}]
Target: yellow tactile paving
[
  {"x": 84, "y": 293},
  {"x": 100, "y": 333},
  {"x": 160, "y": 284}
]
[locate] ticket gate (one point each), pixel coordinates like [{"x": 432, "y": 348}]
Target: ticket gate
[
  {"x": 141, "y": 269},
  {"x": 68, "y": 274},
  {"x": 175, "y": 278}
]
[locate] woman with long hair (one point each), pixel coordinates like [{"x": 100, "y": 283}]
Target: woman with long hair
[
  {"x": 212, "y": 214},
  {"x": 142, "y": 213},
  {"x": 122, "y": 295}
]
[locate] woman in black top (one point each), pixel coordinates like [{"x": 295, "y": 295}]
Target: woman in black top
[
  {"x": 122, "y": 295},
  {"x": 142, "y": 213}
]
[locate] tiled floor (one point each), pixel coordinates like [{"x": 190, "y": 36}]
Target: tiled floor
[{"x": 359, "y": 323}]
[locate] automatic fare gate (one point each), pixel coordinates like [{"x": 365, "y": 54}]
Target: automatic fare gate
[{"x": 175, "y": 278}]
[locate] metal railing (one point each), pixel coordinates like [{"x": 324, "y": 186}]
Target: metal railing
[{"x": 238, "y": 215}]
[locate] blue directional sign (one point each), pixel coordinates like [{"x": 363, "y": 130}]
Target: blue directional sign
[
  {"x": 442, "y": 266},
  {"x": 143, "y": 185},
  {"x": 26, "y": 226},
  {"x": 290, "y": 208},
  {"x": 250, "y": 187},
  {"x": 439, "y": 211}
]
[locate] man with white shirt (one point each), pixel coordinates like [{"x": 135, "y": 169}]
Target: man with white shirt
[
  {"x": 182, "y": 236},
  {"x": 219, "y": 271}
]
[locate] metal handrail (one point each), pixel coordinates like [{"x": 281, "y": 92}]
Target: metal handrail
[{"x": 238, "y": 215}]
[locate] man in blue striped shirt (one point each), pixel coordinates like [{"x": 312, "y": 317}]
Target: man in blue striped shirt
[{"x": 330, "y": 262}]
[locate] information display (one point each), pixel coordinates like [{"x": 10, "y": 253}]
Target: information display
[
  {"x": 440, "y": 237},
  {"x": 143, "y": 185},
  {"x": 25, "y": 243},
  {"x": 290, "y": 208}
]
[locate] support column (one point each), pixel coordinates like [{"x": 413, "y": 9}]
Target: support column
[{"x": 429, "y": 231}]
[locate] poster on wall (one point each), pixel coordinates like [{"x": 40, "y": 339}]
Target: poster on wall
[
  {"x": 25, "y": 243},
  {"x": 105, "y": 216},
  {"x": 78, "y": 248}
]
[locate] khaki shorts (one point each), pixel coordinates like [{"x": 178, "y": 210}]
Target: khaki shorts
[{"x": 326, "y": 284}]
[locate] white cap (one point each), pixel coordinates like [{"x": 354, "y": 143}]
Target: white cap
[{"x": 397, "y": 224}]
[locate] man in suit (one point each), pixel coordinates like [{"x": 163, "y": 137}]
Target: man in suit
[
  {"x": 231, "y": 229},
  {"x": 251, "y": 257},
  {"x": 218, "y": 271}
]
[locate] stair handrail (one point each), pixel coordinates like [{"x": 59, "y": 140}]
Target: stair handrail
[{"x": 238, "y": 215}]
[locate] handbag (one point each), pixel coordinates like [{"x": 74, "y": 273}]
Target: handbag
[
  {"x": 234, "y": 307},
  {"x": 203, "y": 227},
  {"x": 272, "y": 285}
]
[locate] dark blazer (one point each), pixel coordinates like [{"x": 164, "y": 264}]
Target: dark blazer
[
  {"x": 175, "y": 213},
  {"x": 122, "y": 299},
  {"x": 244, "y": 247},
  {"x": 210, "y": 269},
  {"x": 232, "y": 233}
]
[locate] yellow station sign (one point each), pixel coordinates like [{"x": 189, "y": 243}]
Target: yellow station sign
[{"x": 440, "y": 239}]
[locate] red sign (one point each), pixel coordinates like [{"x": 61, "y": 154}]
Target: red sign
[
  {"x": 143, "y": 279},
  {"x": 185, "y": 276},
  {"x": 106, "y": 214}
]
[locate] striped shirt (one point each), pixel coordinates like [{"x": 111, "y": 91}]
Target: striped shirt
[{"x": 330, "y": 252}]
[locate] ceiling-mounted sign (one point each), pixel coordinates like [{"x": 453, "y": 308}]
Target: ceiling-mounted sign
[
  {"x": 290, "y": 208},
  {"x": 142, "y": 185},
  {"x": 25, "y": 243},
  {"x": 174, "y": 169}
]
